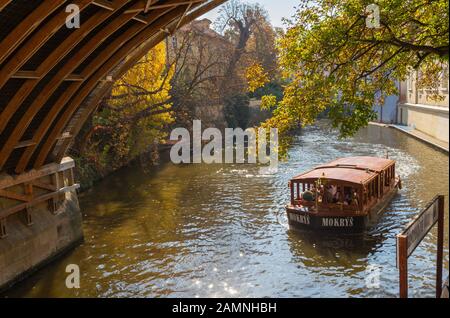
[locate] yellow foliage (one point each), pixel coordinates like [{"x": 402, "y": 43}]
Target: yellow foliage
[
  {"x": 256, "y": 77},
  {"x": 137, "y": 112}
]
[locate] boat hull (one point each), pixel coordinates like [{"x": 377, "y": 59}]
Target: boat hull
[
  {"x": 309, "y": 221},
  {"x": 303, "y": 220}
]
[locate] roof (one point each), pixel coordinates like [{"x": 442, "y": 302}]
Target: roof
[
  {"x": 363, "y": 162},
  {"x": 351, "y": 169},
  {"x": 339, "y": 174}
]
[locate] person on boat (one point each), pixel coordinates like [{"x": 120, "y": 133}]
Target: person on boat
[
  {"x": 331, "y": 193},
  {"x": 309, "y": 195},
  {"x": 355, "y": 198},
  {"x": 337, "y": 197},
  {"x": 347, "y": 196},
  {"x": 320, "y": 193}
]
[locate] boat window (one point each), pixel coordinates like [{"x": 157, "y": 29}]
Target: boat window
[
  {"x": 387, "y": 178},
  {"x": 348, "y": 195}
]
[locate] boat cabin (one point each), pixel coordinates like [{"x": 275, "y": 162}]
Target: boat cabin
[{"x": 350, "y": 186}]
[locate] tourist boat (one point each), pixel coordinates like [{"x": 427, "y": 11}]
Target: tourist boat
[{"x": 344, "y": 195}]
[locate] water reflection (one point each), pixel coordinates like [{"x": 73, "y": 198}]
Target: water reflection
[{"x": 221, "y": 230}]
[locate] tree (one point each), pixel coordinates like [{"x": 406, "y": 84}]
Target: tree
[
  {"x": 132, "y": 119},
  {"x": 210, "y": 65},
  {"x": 200, "y": 57},
  {"x": 239, "y": 21},
  {"x": 340, "y": 62}
]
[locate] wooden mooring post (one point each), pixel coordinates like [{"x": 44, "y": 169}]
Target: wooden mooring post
[{"x": 413, "y": 234}]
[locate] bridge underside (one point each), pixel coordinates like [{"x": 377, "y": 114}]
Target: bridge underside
[{"x": 52, "y": 78}]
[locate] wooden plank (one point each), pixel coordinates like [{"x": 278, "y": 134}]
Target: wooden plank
[
  {"x": 64, "y": 136},
  {"x": 402, "y": 260},
  {"x": 418, "y": 228},
  {"x": 148, "y": 5},
  {"x": 4, "y": 3},
  {"x": 139, "y": 10},
  {"x": 179, "y": 3},
  {"x": 141, "y": 19},
  {"x": 24, "y": 144},
  {"x": 124, "y": 67},
  {"x": 26, "y": 27},
  {"x": 51, "y": 61},
  {"x": 147, "y": 8},
  {"x": 12, "y": 210},
  {"x": 35, "y": 42},
  {"x": 15, "y": 196},
  {"x": 74, "y": 78},
  {"x": 7, "y": 181},
  {"x": 26, "y": 75},
  {"x": 76, "y": 60},
  {"x": 411, "y": 237},
  {"x": 103, "y": 4},
  {"x": 45, "y": 186}
]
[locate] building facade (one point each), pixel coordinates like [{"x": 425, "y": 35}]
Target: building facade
[
  {"x": 201, "y": 56},
  {"x": 418, "y": 110},
  {"x": 387, "y": 113}
]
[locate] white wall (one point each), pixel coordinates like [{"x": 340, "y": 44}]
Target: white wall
[{"x": 432, "y": 120}]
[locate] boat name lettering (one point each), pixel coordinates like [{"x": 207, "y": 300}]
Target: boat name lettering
[
  {"x": 300, "y": 218},
  {"x": 337, "y": 222}
]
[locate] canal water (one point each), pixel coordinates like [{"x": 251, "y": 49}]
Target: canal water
[{"x": 221, "y": 230}]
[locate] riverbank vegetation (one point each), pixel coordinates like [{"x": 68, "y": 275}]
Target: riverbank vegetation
[{"x": 340, "y": 58}]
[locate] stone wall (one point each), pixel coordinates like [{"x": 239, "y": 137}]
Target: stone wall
[
  {"x": 40, "y": 218},
  {"x": 430, "y": 120},
  {"x": 418, "y": 109}
]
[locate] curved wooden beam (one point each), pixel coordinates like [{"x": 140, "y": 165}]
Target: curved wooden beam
[
  {"x": 4, "y": 3},
  {"x": 35, "y": 42},
  {"x": 50, "y": 62},
  {"x": 116, "y": 58},
  {"x": 75, "y": 61},
  {"x": 28, "y": 25},
  {"x": 123, "y": 68}
]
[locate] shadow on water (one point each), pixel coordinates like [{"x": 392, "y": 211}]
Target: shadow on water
[{"x": 332, "y": 247}]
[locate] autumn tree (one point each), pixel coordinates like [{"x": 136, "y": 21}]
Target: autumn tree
[
  {"x": 247, "y": 28},
  {"x": 132, "y": 119},
  {"x": 341, "y": 57},
  {"x": 238, "y": 21},
  {"x": 200, "y": 57}
]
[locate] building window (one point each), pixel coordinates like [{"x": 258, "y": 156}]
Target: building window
[{"x": 410, "y": 82}]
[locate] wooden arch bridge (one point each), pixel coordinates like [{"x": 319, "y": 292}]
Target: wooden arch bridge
[{"x": 52, "y": 77}]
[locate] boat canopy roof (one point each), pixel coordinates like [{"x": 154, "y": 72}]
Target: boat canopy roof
[
  {"x": 372, "y": 163},
  {"x": 356, "y": 170}
]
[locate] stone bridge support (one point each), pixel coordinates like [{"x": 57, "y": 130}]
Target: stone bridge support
[{"x": 39, "y": 219}]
